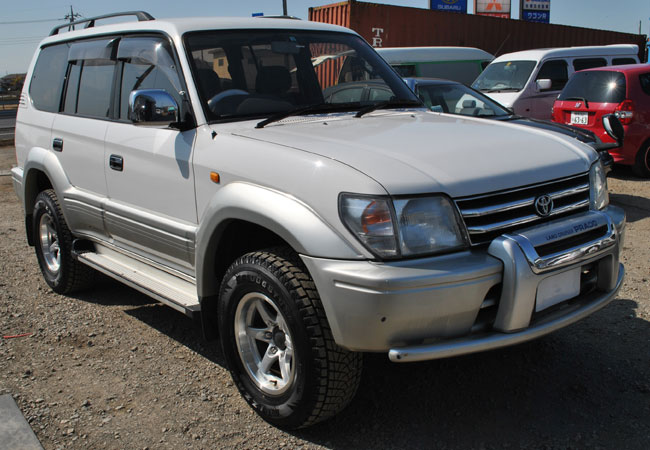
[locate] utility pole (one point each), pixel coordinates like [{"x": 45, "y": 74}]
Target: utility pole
[
  {"x": 71, "y": 18},
  {"x": 284, "y": 8}
]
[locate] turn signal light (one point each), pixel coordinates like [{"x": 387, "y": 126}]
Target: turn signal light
[
  {"x": 376, "y": 219},
  {"x": 214, "y": 176},
  {"x": 625, "y": 112}
]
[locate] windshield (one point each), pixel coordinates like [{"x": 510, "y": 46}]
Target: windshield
[
  {"x": 459, "y": 99},
  {"x": 504, "y": 76},
  {"x": 258, "y": 73},
  {"x": 597, "y": 87}
]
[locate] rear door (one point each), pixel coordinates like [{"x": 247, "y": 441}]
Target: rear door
[{"x": 78, "y": 132}]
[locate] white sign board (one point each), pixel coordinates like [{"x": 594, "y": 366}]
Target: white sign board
[{"x": 492, "y": 7}]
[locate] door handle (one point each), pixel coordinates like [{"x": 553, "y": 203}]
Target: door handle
[
  {"x": 116, "y": 162},
  {"x": 57, "y": 144}
]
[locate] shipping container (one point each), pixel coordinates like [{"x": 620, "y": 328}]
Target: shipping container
[{"x": 397, "y": 26}]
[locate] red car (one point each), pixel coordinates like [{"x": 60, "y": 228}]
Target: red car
[{"x": 621, "y": 90}]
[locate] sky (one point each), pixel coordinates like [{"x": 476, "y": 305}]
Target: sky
[{"x": 24, "y": 24}]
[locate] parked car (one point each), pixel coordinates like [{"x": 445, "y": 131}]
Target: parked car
[
  {"x": 450, "y": 97},
  {"x": 358, "y": 91},
  {"x": 530, "y": 80},
  {"x": 198, "y": 161},
  {"x": 621, "y": 90},
  {"x": 461, "y": 64}
]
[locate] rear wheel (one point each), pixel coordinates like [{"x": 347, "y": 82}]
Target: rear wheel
[
  {"x": 53, "y": 245},
  {"x": 641, "y": 166},
  {"x": 278, "y": 345}
]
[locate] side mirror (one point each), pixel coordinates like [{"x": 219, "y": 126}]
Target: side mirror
[
  {"x": 543, "y": 84},
  {"x": 152, "y": 107},
  {"x": 614, "y": 128}
]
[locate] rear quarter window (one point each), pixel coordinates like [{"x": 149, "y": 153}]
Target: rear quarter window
[{"x": 48, "y": 77}]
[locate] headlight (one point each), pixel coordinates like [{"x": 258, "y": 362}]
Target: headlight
[
  {"x": 598, "y": 195},
  {"x": 405, "y": 226}
]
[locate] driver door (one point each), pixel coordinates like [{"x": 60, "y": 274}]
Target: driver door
[{"x": 151, "y": 207}]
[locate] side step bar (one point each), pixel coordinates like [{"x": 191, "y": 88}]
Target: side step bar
[{"x": 171, "y": 290}]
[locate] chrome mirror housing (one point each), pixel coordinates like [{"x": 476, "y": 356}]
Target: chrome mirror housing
[
  {"x": 152, "y": 107},
  {"x": 544, "y": 84}
]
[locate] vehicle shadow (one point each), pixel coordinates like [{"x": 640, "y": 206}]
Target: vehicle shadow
[
  {"x": 106, "y": 291},
  {"x": 585, "y": 386},
  {"x": 621, "y": 172},
  {"x": 636, "y": 208},
  {"x": 166, "y": 320}
]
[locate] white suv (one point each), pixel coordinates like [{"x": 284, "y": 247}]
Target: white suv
[{"x": 198, "y": 161}]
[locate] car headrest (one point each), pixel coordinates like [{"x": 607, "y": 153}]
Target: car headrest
[{"x": 273, "y": 80}]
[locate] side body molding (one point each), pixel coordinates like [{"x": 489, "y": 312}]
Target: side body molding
[{"x": 294, "y": 221}]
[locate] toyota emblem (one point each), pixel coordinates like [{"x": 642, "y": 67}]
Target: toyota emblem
[{"x": 543, "y": 205}]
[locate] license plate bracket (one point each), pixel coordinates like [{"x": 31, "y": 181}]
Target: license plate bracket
[
  {"x": 557, "y": 288},
  {"x": 579, "y": 118}
]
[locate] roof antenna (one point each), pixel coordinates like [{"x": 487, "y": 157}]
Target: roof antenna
[{"x": 71, "y": 17}]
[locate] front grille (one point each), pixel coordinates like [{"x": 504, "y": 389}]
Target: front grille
[{"x": 490, "y": 215}]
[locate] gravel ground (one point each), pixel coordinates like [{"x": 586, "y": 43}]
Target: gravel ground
[{"x": 110, "y": 368}]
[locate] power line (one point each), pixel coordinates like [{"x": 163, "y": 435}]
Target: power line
[{"x": 30, "y": 21}]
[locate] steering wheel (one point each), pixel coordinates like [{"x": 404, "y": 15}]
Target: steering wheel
[{"x": 214, "y": 101}]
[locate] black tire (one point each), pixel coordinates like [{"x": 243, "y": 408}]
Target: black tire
[
  {"x": 641, "y": 165},
  {"x": 61, "y": 271},
  {"x": 322, "y": 378}
]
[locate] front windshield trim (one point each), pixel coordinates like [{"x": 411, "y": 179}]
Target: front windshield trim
[{"x": 301, "y": 37}]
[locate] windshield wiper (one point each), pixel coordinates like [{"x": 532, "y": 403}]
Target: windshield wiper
[
  {"x": 387, "y": 104},
  {"x": 506, "y": 89},
  {"x": 582, "y": 99},
  {"x": 293, "y": 112}
]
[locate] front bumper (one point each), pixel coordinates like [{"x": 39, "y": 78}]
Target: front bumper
[{"x": 474, "y": 300}]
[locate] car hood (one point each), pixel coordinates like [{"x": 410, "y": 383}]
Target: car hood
[
  {"x": 507, "y": 99},
  {"x": 414, "y": 152},
  {"x": 586, "y": 136}
]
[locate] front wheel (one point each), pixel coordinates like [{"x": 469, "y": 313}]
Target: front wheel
[
  {"x": 641, "y": 165},
  {"x": 278, "y": 345}
]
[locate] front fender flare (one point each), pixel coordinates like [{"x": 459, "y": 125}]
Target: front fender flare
[{"x": 286, "y": 216}]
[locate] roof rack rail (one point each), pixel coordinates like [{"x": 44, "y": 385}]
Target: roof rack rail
[
  {"x": 90, "y": 22},
  {"x": 278, "y": 17}
]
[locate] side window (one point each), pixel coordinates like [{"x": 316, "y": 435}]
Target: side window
[
  {"x": 405, "y": 70},
  {"x": 91, "y": 71},
  {"x": 556, "y": 71},
  {"x": 95, "y": 84},
  {"x": 644, "y": 79},
  {"x": 147, "y": 63},
  {"x": 461, "y": 71},
  {"x": 48, "y": 77},
  {"x": 623, "y": 61},
  {"x": 588, "y": 63}
]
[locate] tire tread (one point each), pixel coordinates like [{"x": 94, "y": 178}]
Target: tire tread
[
  {"x": 339, "y": 370},
  {"x": 79, "y": 276}
]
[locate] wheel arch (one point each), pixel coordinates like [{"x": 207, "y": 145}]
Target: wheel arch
[{"x": 242, "y": 218}]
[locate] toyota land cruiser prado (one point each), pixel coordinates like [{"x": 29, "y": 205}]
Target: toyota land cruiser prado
[{"x": 197, "y": 161}]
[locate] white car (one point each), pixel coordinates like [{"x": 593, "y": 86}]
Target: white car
[
  {"x": 529, "y": 81},
  {"x": 197, "y": 161}
]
